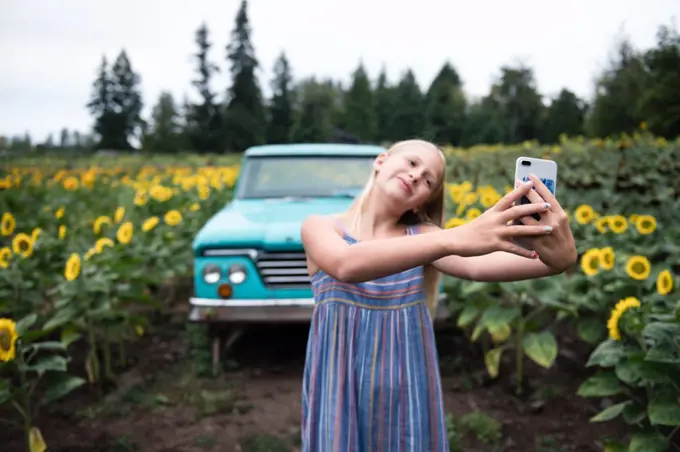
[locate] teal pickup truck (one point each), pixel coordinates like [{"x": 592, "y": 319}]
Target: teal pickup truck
[{"x": 249, "y": 262}]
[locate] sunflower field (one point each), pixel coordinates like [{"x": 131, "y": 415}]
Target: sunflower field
[{"x": 85, "y": 244}]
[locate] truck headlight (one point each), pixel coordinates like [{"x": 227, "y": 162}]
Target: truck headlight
[
  {"x": 237, "y": 274},
  {"x": 211, "y": 274}
]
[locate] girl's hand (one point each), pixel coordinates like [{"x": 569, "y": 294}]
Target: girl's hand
[
  {"x": 490, "y": 232},
  {"x": 557, "y": 250}
]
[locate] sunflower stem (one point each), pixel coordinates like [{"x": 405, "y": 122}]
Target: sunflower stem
[{"x": 24, "y": 406}]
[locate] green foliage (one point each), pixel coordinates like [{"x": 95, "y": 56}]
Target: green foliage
[
  {"x": 38, "y": 361},
  {"x": 641, "y": 372},
  {"x": 622, "y": 199}
]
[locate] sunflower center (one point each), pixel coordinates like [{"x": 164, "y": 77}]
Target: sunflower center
[
  {"x": 638, "y": 268},
  {"x": 5, "y": 340}
]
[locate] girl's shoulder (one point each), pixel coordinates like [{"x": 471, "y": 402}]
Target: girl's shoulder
[{"x": 337, "y": 221}]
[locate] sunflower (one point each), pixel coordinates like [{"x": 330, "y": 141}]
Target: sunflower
[
  {"x": 91, "y": 252},
  {"x": 71, "y": 183},
  {"x": 664, "y": 282},
  {"x": 141, "y": 198},
  {"x": 101, "y": 243},
  {"x": 7, "y": 224},
  {"x": 62, "y": 232},
  {"x": 473, "y": 213},
  {"x": 645, "y": 224},
  {"x": 584, "y": 214},
  {"x": 489, "y": 198},
  {"x": 72, "y": 269},
  {"x": 607, "y": 258},
  {"x": 150, "y": 223},
  {"x": 590, "y": 262},
  {"x": 453, "y": 222},
  {"x": 621, "y": 307},
  {"x": 601, "y": 224},
  {"x": 173, "y": 217},
  {"x": 125, "y": 233},
  {"x": 194, "y": 207},
  {"x": 5, "y": 254},
  {"x": 638, "y": 267},
  {"x": 99, "y": 223},
  {"x": 22, "y": 244},
  {"x": 59, "y": 213},
  {"x": 8, "y": 339},
  {"x": 203, "y": 192},
  {"x": 618, "y": 224},
  {"x": 119, "y": 214}
]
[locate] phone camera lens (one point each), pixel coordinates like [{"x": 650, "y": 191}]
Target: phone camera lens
[{"x": 526, "y": 163}]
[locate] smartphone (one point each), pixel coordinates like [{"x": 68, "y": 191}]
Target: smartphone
[{"x": 545, "y": 170}]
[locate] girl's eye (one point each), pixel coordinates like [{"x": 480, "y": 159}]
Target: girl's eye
[{"x": 412, "y": 163}]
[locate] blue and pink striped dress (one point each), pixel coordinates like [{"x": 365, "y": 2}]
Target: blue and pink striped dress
[{"x": 371, "y": 380}]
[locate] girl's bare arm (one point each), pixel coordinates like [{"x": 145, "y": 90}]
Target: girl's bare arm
[
  {"x": 493, "y": 267},
  {"x": 373, "y": 259}
]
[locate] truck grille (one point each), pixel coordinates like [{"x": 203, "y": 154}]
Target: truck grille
[{"x": 283, "y": 269}]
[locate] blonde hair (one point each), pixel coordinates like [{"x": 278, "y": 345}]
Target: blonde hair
[{"x": 430, "y": 213}]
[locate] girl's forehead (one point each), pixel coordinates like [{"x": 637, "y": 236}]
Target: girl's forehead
[{"x": 429, "y": 155}]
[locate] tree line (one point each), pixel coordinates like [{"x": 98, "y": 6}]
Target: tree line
[{"x": 636, "y": 87}]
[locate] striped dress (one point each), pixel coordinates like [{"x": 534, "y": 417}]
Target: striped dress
[{"x": 371, "y": 379}]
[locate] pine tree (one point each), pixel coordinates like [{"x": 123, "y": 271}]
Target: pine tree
[
  {"x": 281, "y": 118},
  {"x": 359, "y": 115},
  {"x": 126, "y": 100},
  {"x": 245, "y": 120},
  {"x": 165, "y": 133},
  {"x": 203, "y": 120},
  {"x": 101, "y": 107}
]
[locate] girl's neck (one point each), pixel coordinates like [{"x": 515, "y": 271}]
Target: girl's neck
[{"x": 378, "y": 219}]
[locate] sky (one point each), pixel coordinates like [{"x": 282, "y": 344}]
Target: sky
[{"x": 51, "y": 49}]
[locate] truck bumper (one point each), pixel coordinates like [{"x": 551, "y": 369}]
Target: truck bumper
[{"x": 286, "y": 310}]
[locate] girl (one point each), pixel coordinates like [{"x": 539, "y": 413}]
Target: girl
[{"x": 371, "y": 379}]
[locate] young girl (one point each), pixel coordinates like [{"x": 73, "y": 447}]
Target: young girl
[{"x": 371, "y": 379}]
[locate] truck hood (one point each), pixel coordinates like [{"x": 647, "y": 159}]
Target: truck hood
[{"x": 271, "y": 224}]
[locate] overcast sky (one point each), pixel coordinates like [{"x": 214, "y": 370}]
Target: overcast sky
[{"x": 50, "y": 49}]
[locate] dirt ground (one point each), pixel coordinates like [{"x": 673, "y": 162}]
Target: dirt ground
[{"x": 162, "y": 403}]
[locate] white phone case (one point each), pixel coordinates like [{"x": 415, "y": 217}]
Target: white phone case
[{"x": 545, "y": 170}]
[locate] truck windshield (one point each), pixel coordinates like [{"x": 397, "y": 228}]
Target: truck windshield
[{"x": 303, "y": 176}]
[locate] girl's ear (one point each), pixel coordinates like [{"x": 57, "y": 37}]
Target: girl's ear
[{"x": 379, "y": 160}]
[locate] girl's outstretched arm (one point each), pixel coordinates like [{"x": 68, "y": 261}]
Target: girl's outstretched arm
[
  {"x": 557, "y": 251},
  {"x": 373, "y": 259},
  {"x": 494, "y": 267}
]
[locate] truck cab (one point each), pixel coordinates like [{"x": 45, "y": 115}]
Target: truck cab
[{"x": 249, "y": 262}]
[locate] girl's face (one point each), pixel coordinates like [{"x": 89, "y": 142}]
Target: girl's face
[{"x": 409, "y": 175}]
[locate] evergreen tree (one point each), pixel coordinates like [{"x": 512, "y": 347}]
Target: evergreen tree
[
  {"x": 165, "y": 133},
  {"x": 660, "y": 104},
  {"x": 281, "y": 118},
  {"x": 384, "y": 103},
  {"x": 101, "y": 107},
  {"x": 203, "y": 120},
  {"x": 126, "y": 100},
  {"x": 408, "y": 119},
  {"x": 445, "y": 108},
  {"x": 566, "y": 115},
  {"x": 245, "y": 120},
  {"x": 359, "y": 112},
  {"x": 619, "y": 91}
]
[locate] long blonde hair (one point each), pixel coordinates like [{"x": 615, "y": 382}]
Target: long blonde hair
[{"x": 431, "y": 213}]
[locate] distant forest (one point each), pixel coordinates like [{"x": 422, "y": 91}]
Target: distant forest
[{"x": 639, "y": 88}]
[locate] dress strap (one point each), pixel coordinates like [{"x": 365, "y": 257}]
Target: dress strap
[
  {"x": 342, "y": 227},
  {"x": 412, "y": 230}
]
